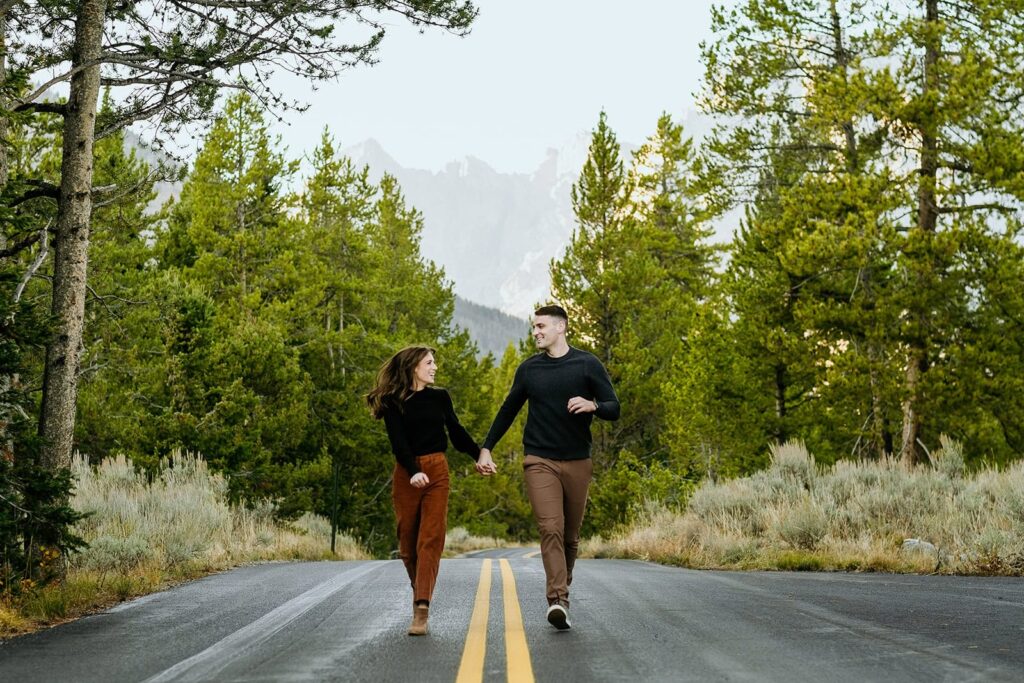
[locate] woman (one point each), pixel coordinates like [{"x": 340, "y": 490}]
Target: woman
[{"x": 416, "y": 416}]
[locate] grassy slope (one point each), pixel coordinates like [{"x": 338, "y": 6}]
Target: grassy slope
[
  {"x": 147, "y": 535},
  {"x": 850, "y": 516}
]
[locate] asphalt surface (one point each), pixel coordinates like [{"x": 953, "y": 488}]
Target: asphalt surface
[{"x": 632, "y": 621}]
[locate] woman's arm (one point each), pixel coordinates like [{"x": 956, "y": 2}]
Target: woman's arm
[
  {"x": 399, "y": 443},
  {"x": 456, "y": 432}
]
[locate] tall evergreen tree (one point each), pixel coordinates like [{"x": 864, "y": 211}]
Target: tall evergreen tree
[
  {"x": 235, "y": 379},
  {"x": 857, "y": 94},
  {"x": 957, "y": 105},
  {"x": 233, "y": 210},
  {"x": 665, "y": 270},
  {"x": 123, "y": 225},
  {"x": 633, "y": 278},
  {"x": 168, "y": 61},
  {"x": 583, "y": 279},
  {"x": 417, "y": 301}
]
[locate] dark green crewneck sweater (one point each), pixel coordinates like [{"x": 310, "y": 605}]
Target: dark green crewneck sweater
[{"x": 548, "y": 384}]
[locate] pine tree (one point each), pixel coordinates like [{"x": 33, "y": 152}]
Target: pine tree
[
  {"x": 957, "y": 105},
  {"x": 233, "y": 211},
  {"x": 856, "y": 95},
  {"x": 416, "y": 301},
  {"x": 170, "y": 60},
  {"x": 633, "y": 277},
  {"x": 582, "y": 280},
  {"x": 669, "y": 202},
  {"x": 713, "y": 424},
  {"x": 665, "y": 272},
  {"x": 122, "y": 224},
  {"x": 236, "y": 390}
]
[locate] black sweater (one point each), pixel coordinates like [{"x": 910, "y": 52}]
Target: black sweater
[
  {"x": 548, "y": 383},
  {"x": 419, "y": 428}
]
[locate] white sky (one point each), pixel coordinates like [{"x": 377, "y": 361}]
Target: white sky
[{"x": 531, "y": 75}]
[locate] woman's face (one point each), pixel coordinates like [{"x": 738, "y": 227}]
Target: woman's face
[{"x": 425, "y": 370}]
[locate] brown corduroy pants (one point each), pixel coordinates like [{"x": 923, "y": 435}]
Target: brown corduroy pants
[
  {"x": 558, "y": 493},
  {"x": 422, "y": 516}
]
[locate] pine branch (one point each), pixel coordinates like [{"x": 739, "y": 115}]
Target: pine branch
[
  {"x": 133, "y": 189},
  {"x": 20, "y": 246},
  {"x": 43, "y": 190},
  {"x": 992, "y": 206},
  {"x": 40, "y": 257},
  {"x": 24, "y": 103},
  {"x": 43, "y": 108}
]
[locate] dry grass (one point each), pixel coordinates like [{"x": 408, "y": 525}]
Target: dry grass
[
  {"x": 458, "y": 541},
  {"x": 851, "y": 516},
  {"x": 145, "y": 535}
]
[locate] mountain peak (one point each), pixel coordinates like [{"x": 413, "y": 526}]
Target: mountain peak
[
  {"x": 492, "y": 232},
  {"x": 469, "y": 166},
  {"x": 371, "y": 153}
]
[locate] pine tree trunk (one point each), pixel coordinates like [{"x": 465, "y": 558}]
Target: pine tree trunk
[
  {"x": 780, "y": 403},
  {"x": 330, "y": 346},
  {"x": 4, "y": 161},
  {"x": 927, "y": 220},
  {"x": 71, "y": 241},
  {"x": 6, "y": 442},
  {"x": 881, "y": 437},
  {"x": 341, "y": 331}
]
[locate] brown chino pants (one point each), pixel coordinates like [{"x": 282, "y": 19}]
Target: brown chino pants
[
  {"x": 558, "y": 493},
  {"x": 422, "y": 516}
]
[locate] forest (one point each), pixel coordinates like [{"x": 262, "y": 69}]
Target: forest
[{"x": 870, "y": 303}]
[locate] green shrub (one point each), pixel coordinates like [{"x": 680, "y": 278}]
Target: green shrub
[
  {"x": 803, "y": 526},
  {"x": 852, "y": 515},
  {"x": 949, "y": 459},
  {"x": 619, "y": 494},
  {"x": 792, "y": 460},
  {"x": 797, "y": 561},
  {"x": 36, "y": 525},
  {"x": 182, "y": 518}
]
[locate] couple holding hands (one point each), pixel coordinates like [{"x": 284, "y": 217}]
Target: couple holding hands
[{"x": 566, "y": 388}]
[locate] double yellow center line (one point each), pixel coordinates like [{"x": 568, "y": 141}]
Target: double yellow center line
[{"x": 517, "y": 655}]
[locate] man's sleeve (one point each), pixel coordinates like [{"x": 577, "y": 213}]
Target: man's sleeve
[
  {"x": 508, "y": 411},
  {"x": 604, "y": 394}
]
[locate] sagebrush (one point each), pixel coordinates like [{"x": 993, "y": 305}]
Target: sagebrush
[
  {"x": 872, "y": 515},
  {"x": 144, "y": 532}
]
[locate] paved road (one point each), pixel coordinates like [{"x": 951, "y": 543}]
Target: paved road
[{"x": 632, "y": 621}]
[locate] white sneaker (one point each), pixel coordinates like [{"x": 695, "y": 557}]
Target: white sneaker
[{"x": 558, "y": 616}]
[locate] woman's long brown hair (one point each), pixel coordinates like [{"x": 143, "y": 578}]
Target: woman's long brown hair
[{"x": 395, "y": 380}]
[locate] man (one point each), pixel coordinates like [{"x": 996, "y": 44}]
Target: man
[{"x": 566, "y": 388}]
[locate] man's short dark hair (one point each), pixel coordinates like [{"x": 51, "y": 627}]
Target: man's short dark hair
[{"x": 554, "y": 311}]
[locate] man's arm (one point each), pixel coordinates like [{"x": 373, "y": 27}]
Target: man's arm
[
  {"x": 605, "y": 400},
  {"x": 509, "y": 409}
]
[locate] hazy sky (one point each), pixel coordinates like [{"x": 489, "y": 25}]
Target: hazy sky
[{"x": 531, "y": 75}]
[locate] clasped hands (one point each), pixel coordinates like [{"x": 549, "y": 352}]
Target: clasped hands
[
  {"x": 485, "y": 466},
  {"x": 577, "y": 405},
  {"x": 485, "y": 463}
]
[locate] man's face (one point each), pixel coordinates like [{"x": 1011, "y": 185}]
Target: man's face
[{"x": 547, "y": 330}]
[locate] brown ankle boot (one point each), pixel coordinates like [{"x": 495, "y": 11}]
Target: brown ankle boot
[{"x": 419, "y": 620}]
